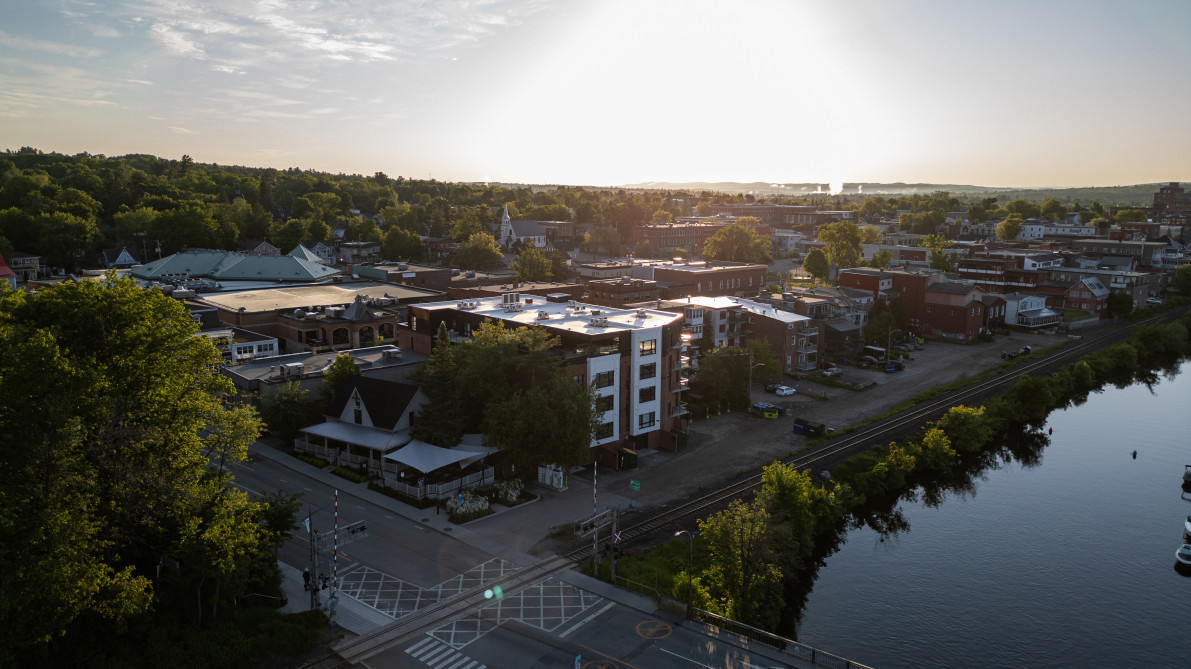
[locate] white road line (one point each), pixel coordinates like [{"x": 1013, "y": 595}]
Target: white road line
[
  {"x": 247, "y": 489},
  {"x": 432, "y": 648},
  {"x": 462, "y": 660},
  {"x": 586, "y": 620},
  {"x": 359, "y": 507},
  {"x": 423, "y": 642},
  {"x": 437, "y": 654},
  {"x": 389, "y": 517}
]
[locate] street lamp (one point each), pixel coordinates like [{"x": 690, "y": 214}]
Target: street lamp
[
  {"x": 750, "y": 386},
  {"x": 690, "y": 566},
  {"x": 889, "y": 341}
]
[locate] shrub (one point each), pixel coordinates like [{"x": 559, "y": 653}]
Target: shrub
[
  {"x": 509, "y": 492},
  {"x": 468, "y": 506},
  {"x": 350, "y": 474},
  {"x": 312, "y": 460}
]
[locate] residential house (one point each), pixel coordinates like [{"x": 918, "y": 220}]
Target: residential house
[
  {"x": 118, "y": 258},
  {"x": 1087, "y": 294},
  {"x": 7, "y": 276}
]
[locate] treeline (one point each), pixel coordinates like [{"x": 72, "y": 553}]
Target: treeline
[{"x": 755, "y": 561}]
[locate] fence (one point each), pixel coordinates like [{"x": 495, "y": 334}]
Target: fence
[
  {"x": 442, "y": 490},
  {"x": 801, "y": 651}
]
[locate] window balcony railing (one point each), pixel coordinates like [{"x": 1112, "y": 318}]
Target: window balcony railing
[
  {"x": 683, "y": 383},
  {"x": 684, "y": 362},
  {"x": 680, "y": 410}
]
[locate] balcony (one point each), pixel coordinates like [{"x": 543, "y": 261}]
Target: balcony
[
  {"x": 807, "y": 347},
  {"x": 684, "y": 363},
  {"x": 809, "y": 332},
  {"x": 679, "y": 410},
  {"x": 681, "y": 384}
]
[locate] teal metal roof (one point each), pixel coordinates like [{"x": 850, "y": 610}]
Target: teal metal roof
[{"x": 232, "y": 266}]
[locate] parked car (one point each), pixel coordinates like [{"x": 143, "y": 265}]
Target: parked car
[
  {"x": 832, "y": 372},
  {"x": 783, "y": 391},
  {"x": 893, "y": 366},
  {"x": 1153, "y": 300},
  {"x": 869, "y": 359},
  {"x": 772, "y": 387}
]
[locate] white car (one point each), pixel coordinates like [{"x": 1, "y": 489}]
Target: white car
[
  {"x": 1153, "y": 300},
  {"x": 783, "y": 391}
]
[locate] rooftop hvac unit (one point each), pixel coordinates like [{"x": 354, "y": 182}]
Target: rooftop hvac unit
[
  {"x": 543, "y": 315},
  {"x": 640, "y": 313},
  {"x": 508, "y": 298},
  {"x": 392, "y": 354},
  {"x": 599, "y": 321}
]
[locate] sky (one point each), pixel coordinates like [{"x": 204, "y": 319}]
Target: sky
[{"x": 1038, "y": 93}]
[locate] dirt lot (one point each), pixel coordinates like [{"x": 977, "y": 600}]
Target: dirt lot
[{"x": 723, "y": 447}]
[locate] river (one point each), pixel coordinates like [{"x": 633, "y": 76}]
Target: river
[{"x": 1068, "y": 563}]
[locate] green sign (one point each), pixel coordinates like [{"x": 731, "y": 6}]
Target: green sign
[{"x": 635, "y": 485}]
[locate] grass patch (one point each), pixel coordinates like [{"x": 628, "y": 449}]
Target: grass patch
[{"x": 563, "y": 532}]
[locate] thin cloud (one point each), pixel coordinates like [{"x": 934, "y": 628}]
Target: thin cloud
[{"x": 24, "y": 43}]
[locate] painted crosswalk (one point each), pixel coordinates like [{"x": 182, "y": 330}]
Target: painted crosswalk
[{"x": 439, "y": 655}]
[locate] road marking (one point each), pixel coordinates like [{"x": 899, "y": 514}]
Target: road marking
[
  {"x": 307, "y": 489},
  {"x": 248, "y": 468},
  {"x": 654, "y": 629},
  {"x": 284, "y": 481},
  {"x": 389, "y": 517},
  {"x": 359, "y": 507},
  {"x": 586, "y": 620},
  {"x": 247, "y": 489}
]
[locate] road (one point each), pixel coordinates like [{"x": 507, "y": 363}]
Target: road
[{"x": 423, "y": 553}]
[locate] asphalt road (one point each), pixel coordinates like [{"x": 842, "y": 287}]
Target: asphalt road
[{"x": 420, "y": 552}]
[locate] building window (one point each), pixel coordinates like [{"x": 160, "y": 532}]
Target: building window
[
  {"x": 649, "y": 347},
  {"x": 578, "y": 378},
  {"x": 649, "y": 371},
  {"x": 603, "y": 403},
  {"x": 647, "y": 394},
  {"x": 648, "y": 419},
  {"x": 603, "y": 431},
  {"x": 605, "y": 379}
]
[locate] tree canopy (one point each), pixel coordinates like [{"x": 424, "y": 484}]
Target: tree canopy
[
  {"x": 739, "y": 242},
  {"x": 120, "y": 409},
  {"x": 1010, "y": 228},
  {"x": 478, "y": 252},
  {"x": 532, "y": 265},
  {"x": 842, "y": 241}
]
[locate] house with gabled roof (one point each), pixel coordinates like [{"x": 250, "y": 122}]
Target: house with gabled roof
[
  {"x": 1088, "y": 294},
  {"x": 300, "y": 251},
  {"x": 118, "y": 258},
  {"x": 257, "y": 247}
]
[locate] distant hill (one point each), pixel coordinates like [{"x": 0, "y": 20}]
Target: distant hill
[{"x": 1140, "y": 195}]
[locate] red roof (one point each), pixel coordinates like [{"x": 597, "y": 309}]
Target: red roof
[{"x": 5, "y": 271}]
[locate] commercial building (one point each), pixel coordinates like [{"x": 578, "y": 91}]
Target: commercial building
[{"x": 633, "y": 357}]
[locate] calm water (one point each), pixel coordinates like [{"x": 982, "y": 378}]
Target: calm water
[{"x": 1066, "y": 564}]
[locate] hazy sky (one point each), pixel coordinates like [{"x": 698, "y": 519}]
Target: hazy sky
[{"x": 605, "y": 92}]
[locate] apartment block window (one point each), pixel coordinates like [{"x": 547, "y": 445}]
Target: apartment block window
[
  {"x": 649, "y": 347},
  {"x": 603, "y": 403},
  {"x": 649, "y": 371},
  {"x": 648, "y": 419},
  {"x": 578, "y": 378},
  {"x": 647, "y": 394},
  {"x": 603, "y": 431},
  {"x": 605, "y": 379}
]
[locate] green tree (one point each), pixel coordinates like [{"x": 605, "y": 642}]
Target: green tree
[
  {"x": 703, "y": 209},
  {"x": 744, "y": 579},
  {"x": 1023, "y": 208},
  {"x": 1130, "y": 215},
  {"x": 1182, "y": 279},
  {"x": 842, "y": 241},
  {"x": 439, "y": 421},
  {"x": 1010, "y": 228},
  {"x": 880, "y": 259},
  {"x": 968, "y": 429},
  {"x": 939, "y": 258},
  {"x": 1119, "y": 304},
  {"x": 799, "y": 509},
  {"x": 1053, "y": 210},
  {"x": 401, "y": 244},
  {"x": 343, "y": 366},
  {"x": 478, "y": 252},
  {"x": 603, "y": 240},
  {"x": 65, "y": 239},
  {"x": 738, "y": 243},
  {"x": 871, "y": 234},
  {"x": 661, "y": 216},
  {"x": 816, "y": 264},
  {"x": 112, "y": 477},
  {"x": 286, "y": 236},
  {"x": 286, "y": 410},
  {"x": 531, "y": 265}
]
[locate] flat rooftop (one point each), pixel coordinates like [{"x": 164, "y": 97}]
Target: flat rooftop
[
  {"x": 372, "y": 357},
  {"x": 294, "y": 297},
  {"x": 569, "y": 316}
]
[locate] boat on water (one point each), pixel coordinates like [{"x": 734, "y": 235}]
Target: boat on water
[
  {"x": 1183, "y": 555},
  {"x": 1186, "y": 474}
]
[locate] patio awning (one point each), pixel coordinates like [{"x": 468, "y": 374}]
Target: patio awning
[
  {"x": 359, "y": 435},
  {"x": 427, "y": 458}
]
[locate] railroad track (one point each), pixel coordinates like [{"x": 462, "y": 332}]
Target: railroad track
[{"x": 899, "y": 425}]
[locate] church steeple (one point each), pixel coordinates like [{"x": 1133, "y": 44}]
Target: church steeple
[{"x": 504, "y": 218}]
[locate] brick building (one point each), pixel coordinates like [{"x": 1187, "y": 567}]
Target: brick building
[
  {"x": 679, "y": 279},
  {"x": 621, "y": 292}
]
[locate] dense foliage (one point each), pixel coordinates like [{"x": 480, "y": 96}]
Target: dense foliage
[{"x": 113, "y": 521}]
